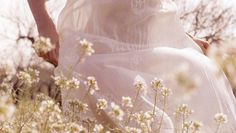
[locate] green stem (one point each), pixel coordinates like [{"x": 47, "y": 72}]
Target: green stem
[
  {"x": 45, "y": 127},
  {"x": 183, "y": 122},
  {"x": 73, "y": 66},
  {"x": 189, "y": 128},
  {"x": 73, "y": 113},
  {"x": 218, "y": 128},
  {"x": 135, "y": 101},
  {"x": 155, "y": 103},
  {"x": 163, "y": 113}
]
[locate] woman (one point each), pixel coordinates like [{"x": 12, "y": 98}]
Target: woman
[{"x": 136, "y": 37}]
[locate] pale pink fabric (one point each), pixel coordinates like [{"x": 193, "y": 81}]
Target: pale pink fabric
[{"x": 145, "y": 40}]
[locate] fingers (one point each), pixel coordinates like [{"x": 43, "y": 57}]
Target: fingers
[
  {"x": 203, "y": 49},
  {"x": 51, "y": 57},
  {"x": 45, "y": 56},
  {"x": 203, "y": 44}
]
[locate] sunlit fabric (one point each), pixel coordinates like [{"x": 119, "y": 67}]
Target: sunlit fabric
[{"x": 144, "y": 40}]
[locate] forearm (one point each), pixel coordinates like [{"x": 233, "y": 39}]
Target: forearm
[
  {"x": 46, "y": 28},
  {"x": 44, "y": 23}
]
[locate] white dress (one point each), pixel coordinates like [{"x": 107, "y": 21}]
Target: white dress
[{"x": 144, "y": 38}]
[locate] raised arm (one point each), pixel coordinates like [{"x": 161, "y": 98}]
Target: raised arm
[{"x": 46, "y": 28}]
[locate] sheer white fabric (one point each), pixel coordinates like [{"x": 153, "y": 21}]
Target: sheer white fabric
[{"x": 141, "y": 37}]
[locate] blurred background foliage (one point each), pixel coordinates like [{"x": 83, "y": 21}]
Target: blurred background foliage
[{"x": 210, "y": 20}]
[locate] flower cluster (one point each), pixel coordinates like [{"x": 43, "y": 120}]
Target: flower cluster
[
  {"x": 6, "y": 88},
  {"x": 87, "y": 47},
  {"x": 28, "y": 76},
  {"x": 140, "y": 85},
  {"x": 158, "y": 86},
  {"x": 92, "y": 85},
  {"x": 184, "y": 110},
  {"x": 64, "y": 83},
  {"x": 221, "y": 118},
  {"x": 127, "y": 102},
  {"x": 102, "y": 104},
  {"x": 43, "y": 45},
  {"x": 69, "y": 127},
  {"x": 116, "y": 111},
  {"x": 43, "y": 114},
  {"x": 144, "y": 120},
  {"x": 156, "y": 83},
  {"x": 7, "y": 69},
  {"x": 132, "y": 130},
  {"x": 7, "y": 108},
  {"x": 78, "y": 105},
  {"x": 192, "y": 126}
]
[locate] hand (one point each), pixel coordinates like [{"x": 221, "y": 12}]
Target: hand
[
  {"x": 51, "y": 56},
  {"x": 201, "y": 43}
]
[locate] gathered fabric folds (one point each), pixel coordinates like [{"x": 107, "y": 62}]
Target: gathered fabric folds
[{"x": 141, "y": 39}]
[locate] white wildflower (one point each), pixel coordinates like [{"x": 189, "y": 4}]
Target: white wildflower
[
  {"x": 127, "y": 102},
  {"x": 49, "y": 111},
  {"x": 42, "y": 97},
  {"x": 132, "y": 130},
  {"x": 102, "y": 104},
  {"x": 81, "y": 107},
  {"x": 83, "y": 130},
  {"x": 6, "y": 87},
  {"x": 143, "y": 117},
  {"x": 186, "y": 126},
  {"x": 183, "y": 110},
  {"x": 7, "y": 68},
  {"x": 116, "y": 111},
  {"x": 7, "y": 108},
  {"x": 156, "y": 84},
  {"x": 92, "y": 85},
  {"x": 144, "y": 120},
  {"x": 196, "y": 126},
  {"x": 46, "y": 104},
  {"x": 43, "y": 45},
  {"x": 59, "y": 127},
  {"x": 73, "y": 83},
  {"x": 29, "y": 76},
  {"x": 98, "y": 128},
  {"x": 165, "y": 92},
  {"x": 75, "y": 128},
  {"x": 221, "y": 118},
  {"x": 61, "y": 81},
  {"x": 87, "y": 47},
  {"x": 64, "y": 83},
  {"x": 140, "y": 84}
]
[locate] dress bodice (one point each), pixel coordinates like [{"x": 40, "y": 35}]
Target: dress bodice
[{"x": 143, "y": 23}]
